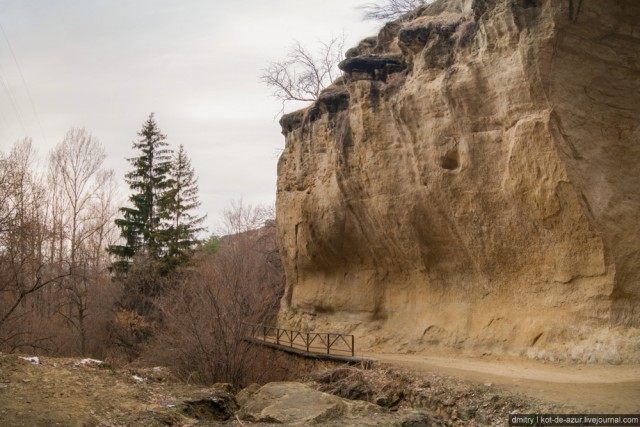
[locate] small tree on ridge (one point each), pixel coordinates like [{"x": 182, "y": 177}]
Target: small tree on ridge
[
  {"x": 302, "y": 75},
  {"x": 390, "y": 9}
]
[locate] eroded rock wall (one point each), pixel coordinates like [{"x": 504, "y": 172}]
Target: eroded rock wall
[{"x": 473, "y": 182}]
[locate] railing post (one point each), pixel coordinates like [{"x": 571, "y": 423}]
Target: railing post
[
  {"x": 264, "y": 333},
  {"x": 307, "y": 342},
  {"x": 328, "y": 343},
  {"x": 353, "y": 346},
  {"x": 278, "y": 336}
]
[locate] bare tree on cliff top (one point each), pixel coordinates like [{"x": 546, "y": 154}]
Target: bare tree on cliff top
[
  {"x": 391, "y": 9},
  {"x": 302, "y": 75}
]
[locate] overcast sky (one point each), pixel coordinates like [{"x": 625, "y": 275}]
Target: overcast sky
[{"x": 106, "y": 64}]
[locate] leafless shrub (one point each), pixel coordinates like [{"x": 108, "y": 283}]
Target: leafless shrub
[
  {"x": 101, "y": 314},
  {"x": 391, "y": 9},
  {"x": 206, "y": 317},
  {"x": 128, "y": 333}
]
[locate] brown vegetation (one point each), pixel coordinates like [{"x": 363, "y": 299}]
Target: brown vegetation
[
  {"x": 207, "y": 315},
  {"x": 58, "y": 299},
  {"x": 53, "y": 228}
]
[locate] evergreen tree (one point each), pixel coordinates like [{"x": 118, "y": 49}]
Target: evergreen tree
[
  {"x": 181, "y": 199},
  {"x": 149, "y": 180}
]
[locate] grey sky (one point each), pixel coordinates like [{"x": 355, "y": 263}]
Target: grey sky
[{"x": 106, "y": 64}]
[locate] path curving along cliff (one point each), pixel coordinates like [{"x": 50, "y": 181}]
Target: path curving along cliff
[{"x": 473, "y": 182}]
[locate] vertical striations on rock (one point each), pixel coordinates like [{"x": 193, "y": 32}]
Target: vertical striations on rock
[{"x": 473, "y": 182}]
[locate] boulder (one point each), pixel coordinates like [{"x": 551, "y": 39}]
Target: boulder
[{"x": 296, "y": 403}]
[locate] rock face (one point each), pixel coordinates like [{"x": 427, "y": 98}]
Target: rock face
[{"x": 473, "y": 182}]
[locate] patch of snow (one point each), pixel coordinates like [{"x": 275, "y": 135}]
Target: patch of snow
[
  {"x": 89, "y": 362},
  {"x": 35, "y": 360},
  {"x": 137, "y": 378},
  {"x": 158, "y": 369}
]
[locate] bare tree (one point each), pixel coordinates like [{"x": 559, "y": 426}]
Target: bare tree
[
  {"x": 53, "y": 230},
  {"x": 390, "y": 9},
  {"x": 100, "y": 219},
  {"x": 76, "y": 165},
  {"x": 25, "y": 269},
  {"x": 302, "y": 75},
  {"x": 240, "y": 218},
  {"x": 77, "y": 161}
]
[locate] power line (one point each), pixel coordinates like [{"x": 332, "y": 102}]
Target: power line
[
  {"x": 24, "y": 83},
  {"x": 13, "y": 103},
  {"x": 3, "y": 121}
]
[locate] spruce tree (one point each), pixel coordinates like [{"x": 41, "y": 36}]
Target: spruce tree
[
  {"x": 141, "y": 226},
  {"x": 181, "y": 200}
]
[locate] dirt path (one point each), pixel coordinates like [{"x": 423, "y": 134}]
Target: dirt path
[{"x": 589, "y": 388}]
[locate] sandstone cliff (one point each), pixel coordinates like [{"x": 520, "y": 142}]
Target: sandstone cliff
[{"x": 473, "y": 182}]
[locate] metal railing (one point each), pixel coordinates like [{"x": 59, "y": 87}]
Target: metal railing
[{"x": 311, "y": 342}]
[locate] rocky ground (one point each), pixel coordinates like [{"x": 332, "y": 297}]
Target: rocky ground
[
  {"x": 573, "y": 387},
  {"x": 75, "y": 392}
]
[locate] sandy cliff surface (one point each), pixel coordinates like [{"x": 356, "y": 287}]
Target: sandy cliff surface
[{"x": 473, "y": 182}]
